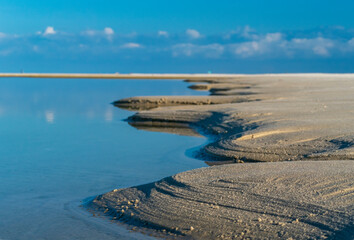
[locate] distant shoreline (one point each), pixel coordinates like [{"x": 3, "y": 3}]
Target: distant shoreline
[
  {"x": 168, "y": 76},
  {"x": 119, "y": 76}
]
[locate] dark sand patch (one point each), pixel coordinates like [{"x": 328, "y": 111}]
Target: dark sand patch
[{"x": 150, "y": 102}]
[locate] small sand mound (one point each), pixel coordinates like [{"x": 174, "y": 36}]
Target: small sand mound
[{"x": 150, "y": 102}]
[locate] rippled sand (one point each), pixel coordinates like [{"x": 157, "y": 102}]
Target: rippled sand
[{"x": 255, "y": 118}]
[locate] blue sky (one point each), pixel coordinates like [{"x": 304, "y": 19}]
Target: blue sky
[{"x": 176, "y": 36}]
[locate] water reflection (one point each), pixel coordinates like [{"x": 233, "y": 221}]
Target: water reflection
[
  {"x": 183, "y": 130},
  {"x": 49, "y": 116},
  {"x": 179, "y": 129},
  {"x": 62, "y": 141},
  {"x": 108, "y": 116},
  {"x": 171, "y": 127}
]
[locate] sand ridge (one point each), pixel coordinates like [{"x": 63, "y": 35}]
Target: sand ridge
[
  {"x": 143, "y": 103},
  {"x": 289, "y": 200},
  {"x": 313, "y": 114},
  {"x": 291, "y": 118}
]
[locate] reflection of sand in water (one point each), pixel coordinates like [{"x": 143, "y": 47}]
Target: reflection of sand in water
[
  {"x": 255, "y": 118},
  {"x": 179, "y": 129}
]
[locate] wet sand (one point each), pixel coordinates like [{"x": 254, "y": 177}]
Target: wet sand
[{"x": 305, "y": 120}]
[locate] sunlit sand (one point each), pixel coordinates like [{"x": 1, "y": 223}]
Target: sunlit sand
[{"x": 303, "y": 123}]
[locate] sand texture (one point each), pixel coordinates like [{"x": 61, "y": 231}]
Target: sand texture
[
  {"x": 293, "y": 134},
  {"x": 305, "y": 117},
  {"x": 143, "y": 103},
  {"x": 298, "y": 200}
]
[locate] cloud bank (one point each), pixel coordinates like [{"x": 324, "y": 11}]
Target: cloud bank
[{"x": 243, "y": 43}]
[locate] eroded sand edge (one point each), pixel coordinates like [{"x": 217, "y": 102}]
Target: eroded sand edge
[{"x": 252, "y": 119}]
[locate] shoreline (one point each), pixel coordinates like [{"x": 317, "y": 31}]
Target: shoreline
[
  {"x": 295, "y": 119},
  {"x": 166, "y": 76}
]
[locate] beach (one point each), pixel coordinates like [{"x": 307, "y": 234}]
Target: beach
[
  {"x": 291, "y": 140},
  {"x": 200, "y": 120}
]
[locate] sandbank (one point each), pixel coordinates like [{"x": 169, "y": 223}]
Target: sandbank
[{"x": 294, "y": 137}]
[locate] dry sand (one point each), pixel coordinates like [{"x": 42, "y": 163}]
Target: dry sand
[
  {"x": 304, "y": 117},
  {"x": 255, "y": 118},
  {"x": 299, "y": 200}
]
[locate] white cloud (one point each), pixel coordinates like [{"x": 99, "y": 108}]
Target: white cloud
[
  {"x": 49, "y": 31},
  {"x": 247, "y": 49},
  {"x": 89, "y": 33},
  {"x": 192, "y": 33},
  {"x": 188, "y": 50},
  {"x": 319, "y": 46},
  {"x": 242, "y": 43},
  {"x": 269, "y": 43},
  {"x": 321, "y": 50},
  {"x": 108, "y": 31},
  {"x": 248, "y": 32},
  {"x": 162, "y": 34},
  {"x": 131, "y": 45},
  {"x": 275, "y": 45},
  {"x": 273, "y": 37},
  {"x": 243, "y": 32}
]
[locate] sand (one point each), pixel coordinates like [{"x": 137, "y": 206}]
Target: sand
[
  {"x": 144, "y": 103},
  {"x": 299, "y": 200},
  {"x": 283, "y": 118},
  {"x": 294, "y": 135}
]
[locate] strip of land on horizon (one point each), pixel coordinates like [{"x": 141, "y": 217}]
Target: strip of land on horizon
[{"x": 165, "y": 76}]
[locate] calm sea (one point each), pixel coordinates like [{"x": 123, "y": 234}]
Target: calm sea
[{"x": 61, "y": 141}]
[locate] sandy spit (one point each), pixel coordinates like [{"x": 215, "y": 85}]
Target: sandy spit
[
  {"x": 289, "y": 200},
  {"x": 143, "y": 103},
  {"x": 276, "y": 119},
  {"x": 298, "y": 132}
]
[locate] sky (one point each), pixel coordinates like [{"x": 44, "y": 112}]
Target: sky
[{"x": 176, "y": 36}]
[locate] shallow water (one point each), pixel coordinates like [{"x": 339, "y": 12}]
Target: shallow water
[{"x": 61, "y": 141}]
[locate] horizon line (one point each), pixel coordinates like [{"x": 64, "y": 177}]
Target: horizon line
[{"x": 166, "y": 76}]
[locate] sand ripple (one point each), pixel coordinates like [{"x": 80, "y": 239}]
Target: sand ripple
[{"x": 299, "y": 200}]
